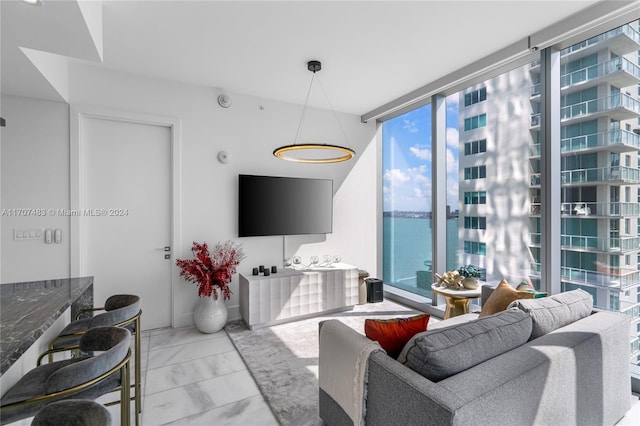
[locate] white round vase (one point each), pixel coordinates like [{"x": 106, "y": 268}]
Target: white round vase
[
  {"x": 210, "y": 314},
  {"x": 470, "y": 283}
]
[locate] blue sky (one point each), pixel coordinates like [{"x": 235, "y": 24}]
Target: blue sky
[{"x": 406, "y": 159}]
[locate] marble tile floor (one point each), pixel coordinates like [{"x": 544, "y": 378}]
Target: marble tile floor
[{"x": 190, "y": 378}]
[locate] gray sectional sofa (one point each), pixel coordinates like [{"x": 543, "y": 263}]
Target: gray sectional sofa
[{"x": 577, "y": 374}]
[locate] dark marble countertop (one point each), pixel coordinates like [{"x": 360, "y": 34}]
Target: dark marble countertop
[{"x": 27, "y": 309}]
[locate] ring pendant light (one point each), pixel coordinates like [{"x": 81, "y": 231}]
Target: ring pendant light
[{"x": 314, "y": 153}]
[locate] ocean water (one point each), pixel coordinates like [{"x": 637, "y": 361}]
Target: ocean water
[{"x": 406, "y": 248}]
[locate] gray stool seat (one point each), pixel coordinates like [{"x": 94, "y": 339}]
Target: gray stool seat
[
  {"x": 83, "y": 377},
  {"x": 120, "y": 310},
  {"x": 73, "y": 412}
]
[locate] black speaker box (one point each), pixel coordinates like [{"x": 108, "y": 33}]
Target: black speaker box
[{"x": 374, "y": 290}]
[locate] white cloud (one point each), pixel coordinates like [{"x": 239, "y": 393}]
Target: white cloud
[
  {"x": 417, "y": 170},
  {"x": 421, "y": 153},
  {"x": 396, "y": 177},
  {"x": 422, "y": 179},
  {"x": 452, "y": 162},
  {"x": 453, "y": 102},
  {"x": 453, "y": 137},
  {"x": 422, "y": 182},
  {"x": 410, "y": 126},
  {"x": 407, "y": 189},
  {"x": 452, "y": 192}
]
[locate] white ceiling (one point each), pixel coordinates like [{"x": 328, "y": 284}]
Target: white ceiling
[{"x": 372, "y": 51}]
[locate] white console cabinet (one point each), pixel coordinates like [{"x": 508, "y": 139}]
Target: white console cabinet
[{"x": 297, "y": 293}]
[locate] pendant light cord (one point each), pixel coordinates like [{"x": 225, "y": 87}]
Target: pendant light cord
[
  {"x": 333, "y": 111},
  {"x": 304, "y": 109}
]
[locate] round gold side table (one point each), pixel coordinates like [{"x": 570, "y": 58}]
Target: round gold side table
[{"x": 457, "y": 300}]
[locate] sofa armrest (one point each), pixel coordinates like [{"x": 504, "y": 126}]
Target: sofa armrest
[
  {"x": 399, "y": 395},
  {"x": 486, "y": 291}
]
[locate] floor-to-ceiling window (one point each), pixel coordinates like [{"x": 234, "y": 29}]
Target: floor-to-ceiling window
[
  {"x": 494, "y": 169},
  {"x": 407, "y": 228},
  {"x": 489, "y": 173}
]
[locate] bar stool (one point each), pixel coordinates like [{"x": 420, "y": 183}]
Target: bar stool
[
  {"x": 120, "y": 310},
  {"x": 85, "y": 377},
  {"x": 73, "y": 412}
]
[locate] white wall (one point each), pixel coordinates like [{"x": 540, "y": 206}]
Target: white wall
[
  {"x": 249, "y": 131},
  {"x": 35, "y": 175}
]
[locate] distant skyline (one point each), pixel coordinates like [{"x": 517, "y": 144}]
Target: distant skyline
[{"x": 406, "y": 162}]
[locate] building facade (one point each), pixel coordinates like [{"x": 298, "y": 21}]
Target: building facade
[{"x": 499, "y": 187}]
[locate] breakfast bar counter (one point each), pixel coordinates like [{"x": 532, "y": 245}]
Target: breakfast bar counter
[{"x": 28, "y": 309}]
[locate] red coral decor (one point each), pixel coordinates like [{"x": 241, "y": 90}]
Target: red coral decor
[{"x": 212, "y": 271}]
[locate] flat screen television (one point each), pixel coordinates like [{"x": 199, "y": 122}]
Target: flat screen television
[{"x": 271, "y": 205}]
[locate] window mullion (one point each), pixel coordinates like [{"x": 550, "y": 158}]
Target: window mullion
[
  {"x": 439, "y": 184},
  {"x": 550, "y": 171}
]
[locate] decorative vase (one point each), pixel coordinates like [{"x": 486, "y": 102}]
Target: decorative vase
[
  {"x": 470, "y": 283},
  {"x": 210, "y": 314}
]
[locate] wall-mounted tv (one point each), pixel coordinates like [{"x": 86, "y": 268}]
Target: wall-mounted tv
[{"x": 270, "y": 205}]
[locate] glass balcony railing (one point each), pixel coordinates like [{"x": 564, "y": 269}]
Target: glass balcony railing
[
  {"x": 535, "y": 120},
  {"x": 597, "y": 140},
  {"x": 601, "y": 174},
  {"x": 602, "y": 244},
  {"x": 630, "y": 309},
  {"x": 535, "y": 179},
  {"x": 587, "y": 209},
  {"x": 536, "y": 89},
  {"x": 605, "y": 104},
  {"x": 603, "y": 277},
  {"x": 627, "y": 30},
  {"x": 594, "y": 244},
  {"x": 535, "y": 150},
  {"x": 610, "y": 139},
  {"x": 536, "y": 239},
  {"x": 600, "y": 70},
  {"x": 634, "y": 346},
  {"x": 631, "y": 74},
  {"x": 609, "y": 209},
  {"x": 535, "y": 269}
]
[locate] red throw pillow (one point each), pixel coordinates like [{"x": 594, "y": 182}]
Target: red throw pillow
[{"x": 393, "y": 334}]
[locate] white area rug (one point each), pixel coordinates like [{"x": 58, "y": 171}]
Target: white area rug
[{"x": 283, "y": 359}]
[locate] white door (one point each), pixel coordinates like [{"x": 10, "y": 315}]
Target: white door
[{"x": 126, "y": 209}]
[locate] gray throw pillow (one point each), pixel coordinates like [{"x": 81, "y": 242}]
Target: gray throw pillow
[
  {"x": 553, "y": 312},
  {"x": 441, "y": 353}
]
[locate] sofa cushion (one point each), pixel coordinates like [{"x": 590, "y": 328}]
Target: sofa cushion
[
  {"x": 459, "y": 319},
  {"x": 501, "y": 297},
  {"x": 393, "y": 334},
  {"x": 550, "y": 313},
  {"x": 441, "y": 353}
]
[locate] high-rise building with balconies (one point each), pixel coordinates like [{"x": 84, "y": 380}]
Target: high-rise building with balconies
[{"x": 500, "y": 156}]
